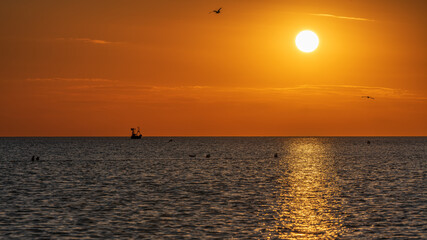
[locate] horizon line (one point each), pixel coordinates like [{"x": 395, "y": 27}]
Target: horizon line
[{"x": 152, "y": 136}]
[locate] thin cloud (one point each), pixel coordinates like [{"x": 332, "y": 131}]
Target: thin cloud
[
  {"x": 76, "y": 88},
  {"x": 69, "y": 80},
  {"x": 87, "y": 40},
  {"x": 341, "y": 17},
  {"x": 342, "y": 90}
]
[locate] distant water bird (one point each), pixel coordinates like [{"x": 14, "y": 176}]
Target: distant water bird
[
  {"x": 192, "y": 155},
  {"x": 208, "y": 155},
  {"x": 32, "y": 159},
  {"x": 276, "y": 155},
  {"x": 217, "y": 11},
  {"x": 38, "y": 158},
  {"x": 170, "y": 140},
  {"x": 368, "y": 142},
  {"x": 368, "y": 97}
]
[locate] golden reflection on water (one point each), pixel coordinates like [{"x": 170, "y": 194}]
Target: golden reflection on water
[{"x": 307, "y": 207}]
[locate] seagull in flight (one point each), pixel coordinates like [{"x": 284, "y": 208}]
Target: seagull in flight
[
  {"x": 368, "y": 97},
  {"x": 217, "y": 11}
]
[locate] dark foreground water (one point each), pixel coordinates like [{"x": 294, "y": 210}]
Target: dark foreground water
[{"x": 316, "y": 188}]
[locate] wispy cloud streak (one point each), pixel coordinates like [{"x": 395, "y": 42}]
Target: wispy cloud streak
[
  {"x": 133, "y": 92},
  {"x": 341, "y": 17},
  {"x": 86, "y": 40},
  {"x": 337, "y": 90},
  {"x": 69, "y": 80}
]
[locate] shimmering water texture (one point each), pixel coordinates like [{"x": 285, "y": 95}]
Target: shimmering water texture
[{"x": 316, "y": 188}]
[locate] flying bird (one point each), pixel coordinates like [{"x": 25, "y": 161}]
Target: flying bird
[
  {"x": 217, "y": 11},
  {"x": 368, "y": 97}
]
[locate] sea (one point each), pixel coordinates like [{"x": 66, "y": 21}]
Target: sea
[{"x": 213, "y": 188}]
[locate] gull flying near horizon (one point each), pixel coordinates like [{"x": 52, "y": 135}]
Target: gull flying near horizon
[
  {"x": 216, "y": 11},
  {"x": 368, "y": 97}
]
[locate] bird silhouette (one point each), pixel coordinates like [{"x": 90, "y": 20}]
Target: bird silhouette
[
  {"x": 192, "y": 155},
  {"x": 368, "y": 97},
  {"x": 217, "y": 11}
]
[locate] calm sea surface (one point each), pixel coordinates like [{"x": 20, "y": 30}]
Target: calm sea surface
[{"x": 316, "y": 188}]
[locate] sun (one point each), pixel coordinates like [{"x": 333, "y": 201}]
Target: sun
[{"x": 307, "y": 41}]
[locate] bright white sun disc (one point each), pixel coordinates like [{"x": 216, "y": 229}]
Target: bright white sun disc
[{"x": 307, "y": 41}]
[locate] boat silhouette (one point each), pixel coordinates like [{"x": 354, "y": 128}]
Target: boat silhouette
[{"x": 136, "y": 133}]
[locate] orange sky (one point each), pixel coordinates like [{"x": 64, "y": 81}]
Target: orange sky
[{"x": 100, "y": 67}]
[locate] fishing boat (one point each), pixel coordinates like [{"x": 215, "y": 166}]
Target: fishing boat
[{"x": 136, "y": 134}]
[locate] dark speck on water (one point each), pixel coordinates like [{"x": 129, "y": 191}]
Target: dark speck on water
[{"x": 248, "y": 188}]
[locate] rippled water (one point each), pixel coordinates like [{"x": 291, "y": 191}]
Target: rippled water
[{"x": 316, "y": 188}]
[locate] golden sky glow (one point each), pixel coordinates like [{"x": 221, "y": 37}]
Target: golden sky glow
[{"x": 100, "y": 67}]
